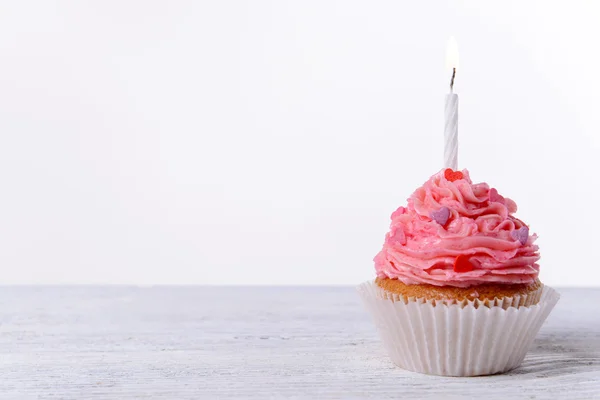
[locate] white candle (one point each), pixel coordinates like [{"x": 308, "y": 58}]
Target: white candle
[{"x": 451, "y": 111}]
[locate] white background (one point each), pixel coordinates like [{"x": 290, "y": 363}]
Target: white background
[{"x": 234, "y": 142}]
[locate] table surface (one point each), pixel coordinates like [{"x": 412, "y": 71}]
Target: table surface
[{"x": 190, "y": 342}]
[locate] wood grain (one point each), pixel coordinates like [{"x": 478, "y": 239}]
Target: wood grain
[{"x": 261, "y": 342}]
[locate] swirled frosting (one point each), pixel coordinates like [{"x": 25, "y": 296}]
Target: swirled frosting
[{"x": 479, "y": 242}]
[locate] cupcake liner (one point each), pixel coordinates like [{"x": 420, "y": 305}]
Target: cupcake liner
[{"x": 457, "y": 339}]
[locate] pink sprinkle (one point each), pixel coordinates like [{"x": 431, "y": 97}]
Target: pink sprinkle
[
  {"x": 398, "y": 236},
  {"x": 495, "y": 197}
]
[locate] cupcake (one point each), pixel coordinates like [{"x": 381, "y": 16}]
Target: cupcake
[{"x": 457, "y": 291}]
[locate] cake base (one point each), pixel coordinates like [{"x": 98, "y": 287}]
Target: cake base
[{"x": 485, "y": 293}]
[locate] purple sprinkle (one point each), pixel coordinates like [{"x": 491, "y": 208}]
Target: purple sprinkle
[
  {"x": 441, "y": 216},
  {"x": 521, "y": 234}
]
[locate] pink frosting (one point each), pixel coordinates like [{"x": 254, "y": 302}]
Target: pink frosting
[{"x": 481, "y": 227}]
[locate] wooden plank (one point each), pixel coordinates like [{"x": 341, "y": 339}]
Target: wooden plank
[{"x": 254, "y": 342}]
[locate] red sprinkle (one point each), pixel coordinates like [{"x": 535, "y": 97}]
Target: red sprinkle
[
  {"x": 463, "y": 264},
  {"x": 452, "y": 175}
]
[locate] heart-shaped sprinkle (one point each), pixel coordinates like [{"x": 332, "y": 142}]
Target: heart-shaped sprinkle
[
  {"x": 521, "y": 234},
  {"x": 441, "y": 216},
  {"x": 452, "y": 176},
  {"x": 398, "y": 236},
  {"x": 463, "y": 263},
  {"x": 495, "y": 197}
]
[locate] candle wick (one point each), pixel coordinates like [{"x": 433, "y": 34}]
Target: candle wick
[{"x": 452, "y": 80}]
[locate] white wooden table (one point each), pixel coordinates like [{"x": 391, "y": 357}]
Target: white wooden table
[{"x": 223, "y": 343}]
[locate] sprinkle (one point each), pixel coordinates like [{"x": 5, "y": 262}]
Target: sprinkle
[
  {"x": 441, "y": 216},
  {"x": 463, "y": 264},
  {"x": 521, "y": 234},
  {"x": 398, "y": 236},
  {"x": 452, "y": 176},
  {"x": 495, "y": 197}
]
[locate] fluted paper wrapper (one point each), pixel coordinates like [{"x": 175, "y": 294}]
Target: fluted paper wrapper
[{"x": 460, "y": 339}]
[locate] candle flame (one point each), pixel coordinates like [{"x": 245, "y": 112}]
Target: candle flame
[{"x": 452, "y": 54}]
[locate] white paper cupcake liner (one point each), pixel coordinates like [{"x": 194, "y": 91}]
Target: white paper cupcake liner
[{"x": 465, "y": 339}]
